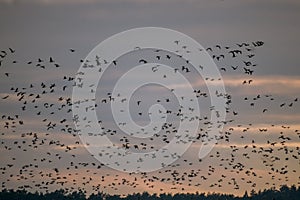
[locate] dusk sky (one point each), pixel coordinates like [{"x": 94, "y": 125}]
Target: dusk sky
[{"x": 42, "y": 43}]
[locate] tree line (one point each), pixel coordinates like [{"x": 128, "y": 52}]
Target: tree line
[{"x": 285, "y": 192}]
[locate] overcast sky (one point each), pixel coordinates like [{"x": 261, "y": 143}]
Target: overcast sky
[{"x": 44, "y": 28}]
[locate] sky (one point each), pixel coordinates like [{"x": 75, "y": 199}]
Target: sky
[{"x": 44, "y": 28}]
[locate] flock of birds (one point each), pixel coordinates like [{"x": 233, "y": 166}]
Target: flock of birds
[{"x": 41, "y": 149}]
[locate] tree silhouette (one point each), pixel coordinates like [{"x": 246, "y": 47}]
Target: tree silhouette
[{"x": 285, "y": 192}]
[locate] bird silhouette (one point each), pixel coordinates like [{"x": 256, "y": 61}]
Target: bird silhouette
[{"x": 50, "y": 155}]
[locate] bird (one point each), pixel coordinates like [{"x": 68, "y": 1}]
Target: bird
[
  {"x": 234, "y": 68},
  {"x": 234, "y": 53},
  {"x": 257, "y": 43},
  {"x": 248, "y": 71},
  {"x": 218, "y": 57},
  {"x": 243, "y": 44},
  {"x": 56, "y": 159},
  {"x": 155, "y": 68},
  {"x": 186, "y": 69},
  {"x": 247, "y": 63},
  {"x": 12, "y": 50},
  {"x": 5, "y": 97},
  {"x": 265, "y": 110},
  {"x": 209, "y": 49},
  {"x": 143, "y": 61}
]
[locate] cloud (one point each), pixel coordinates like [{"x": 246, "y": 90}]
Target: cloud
[
  {"x": 275, "y": 85},
  {"x": 47, "y": 2},
  {"x": 60, "y": 2}
]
